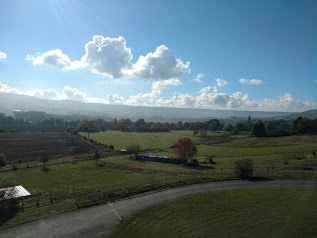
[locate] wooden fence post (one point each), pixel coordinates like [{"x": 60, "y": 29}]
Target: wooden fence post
[
  {"x": 206, "y": 173},
  {"x": 22, "y": 204},
  {"x": 164, "y": 178},
  {"x": 51, "y": 196},
  {"x": 138, "y": 183},
  {"x": 221, "y": 172},
  {"x": 37, "y": 198},
  {"x": 178, "y": 178}
]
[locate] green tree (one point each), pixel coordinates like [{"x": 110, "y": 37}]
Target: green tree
[
  {"x": 185, "y": 148},
  {"x": 44, "y": 159},
  {"x": 258, "y": 129},
  {"x": 134, "y": 149},
  {"x": 214, "y": 125},
  {"x": 97, "y": 155},
  {"x": 243, "y": 168},
  {"x": 87, "y": 125},
  {"x": 3, "y": 160}
]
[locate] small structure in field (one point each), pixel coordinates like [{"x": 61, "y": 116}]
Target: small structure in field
[{"x": 16, "y": 192}]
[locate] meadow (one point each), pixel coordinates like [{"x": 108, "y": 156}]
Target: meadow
[
  {"x": 239, "y": 213},
  {"x": 225, "y": 148}
]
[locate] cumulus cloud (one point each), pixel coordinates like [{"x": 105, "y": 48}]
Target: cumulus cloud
[
  {"x": 199, "y": 78},
  {"x": 112, "y": 58},
  {"x": 54, "y": 58},
  {"x": 158, "y": 85},
  {"x": 108, "y": 56},
  {"x": 251, "y": 81},
  {"x": 3, "y": 55},
  {"x": 45, "y": 93},
  {"x": 160, "y": 65},
  {"x": 221, "y": 83},
  {"x": 115, "y": 99},
  {"x": 5, "y": 88},
  {"x": 143, "y": 99},
  {"x": 206, "y": 98}
]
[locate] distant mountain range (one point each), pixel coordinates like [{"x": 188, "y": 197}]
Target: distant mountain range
[{"x": 10, "y": 102}]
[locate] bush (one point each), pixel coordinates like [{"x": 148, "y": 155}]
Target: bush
[
  {"x": 193, "y": 163},
  {"x": 12, "y": 130},
  {"x": 3, "y": 160},
  {"x": 2, "y": 130},
  {"x": 244, "y": 168}
]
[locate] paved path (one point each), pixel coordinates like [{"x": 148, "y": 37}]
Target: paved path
[{"x": 99, "y": 221}]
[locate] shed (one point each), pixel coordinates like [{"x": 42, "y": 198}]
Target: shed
[{"x": 9, "y": 193}]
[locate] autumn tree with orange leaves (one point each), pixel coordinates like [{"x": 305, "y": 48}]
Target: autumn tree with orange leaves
[{"x": 185, "y": 148}]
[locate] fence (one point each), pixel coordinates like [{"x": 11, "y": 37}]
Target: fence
[{"x": 74, "y": 197}]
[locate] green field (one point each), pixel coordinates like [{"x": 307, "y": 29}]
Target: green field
[
  {"x": 225, "y": 147},
  {"x": 83, "y": 174},
  {"x": 239, "y": 213}
]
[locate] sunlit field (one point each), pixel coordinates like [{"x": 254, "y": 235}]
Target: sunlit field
[{"x": 240, "y": 213}]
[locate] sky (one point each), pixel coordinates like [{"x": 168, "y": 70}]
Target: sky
[{"x": 218, "y": 54}]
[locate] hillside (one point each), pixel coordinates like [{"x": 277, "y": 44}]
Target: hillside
[{"x": 10, "y": 102}]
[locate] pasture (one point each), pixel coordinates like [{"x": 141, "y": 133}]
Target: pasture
[
  {"x": 226, "y": 148},
  {"x": 238, "y": 213}
]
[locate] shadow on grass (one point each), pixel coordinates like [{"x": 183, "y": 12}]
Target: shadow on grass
[{"x": 46, "y": 170}]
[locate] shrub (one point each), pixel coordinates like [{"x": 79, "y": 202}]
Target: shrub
[
  {"x": 20, "y": 161},
  {"x": 3, "y": 160},
  {"x": 12, "y": 130},
  {"x": 244, "y": 168},
  {"x": 111, "y": 147},
  {"x": 193, "y": 163},
  {"x": 2, "y": 130}
]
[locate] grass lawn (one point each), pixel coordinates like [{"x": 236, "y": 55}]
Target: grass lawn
[
  {"x": 83, "y": 174},
  {"x": 239, "y": 213}
]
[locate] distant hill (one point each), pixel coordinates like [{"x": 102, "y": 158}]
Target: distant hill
[
  {"x": 10, "y": 102},
  {"x": 311, "y": 114}
]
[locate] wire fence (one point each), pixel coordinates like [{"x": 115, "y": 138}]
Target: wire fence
[{"x": 72, "y": 197}]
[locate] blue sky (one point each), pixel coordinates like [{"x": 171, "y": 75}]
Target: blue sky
[{"x": 241, "y": 55}]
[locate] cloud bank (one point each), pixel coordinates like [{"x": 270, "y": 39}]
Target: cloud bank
[{"x": 206, "y": 98}]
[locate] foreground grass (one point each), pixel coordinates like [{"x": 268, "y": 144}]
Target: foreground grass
[{"x": 239, "y": 213}]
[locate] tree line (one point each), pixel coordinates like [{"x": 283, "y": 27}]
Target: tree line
[{"x": 278, "y": 127}]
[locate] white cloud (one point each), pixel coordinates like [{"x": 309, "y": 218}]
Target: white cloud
[
  {"x": 207, "y": 98},
  {"x": 159, "y": 85},
  {"x": 251, "y": 81},
  {"x": 112, "y": 58},
  {"x": 143, "y": 99},
  {"x": 115, "y": 99},
  {"x": 3, "y": 55},
  {"x": 73, "y": 94},
  {"x": 199, "y": 78},
  {"x": 46, "y": 93},
  {"x": 108, "y": 56},
  {"x": 160, "y": 65},
  {"x": 5, "y": 88},
  {"x": 55, "y": 58},
  {"x": 221, "y": 83}
]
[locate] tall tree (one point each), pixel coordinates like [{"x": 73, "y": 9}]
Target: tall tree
[
  {"x": 185, "y": 148},
  {"x": 258, "y": 129}
]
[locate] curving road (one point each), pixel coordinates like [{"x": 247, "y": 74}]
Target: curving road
[{"x": 99, "y": 221}]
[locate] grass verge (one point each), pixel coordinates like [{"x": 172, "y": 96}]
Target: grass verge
[{"x": 239, "y": 213}]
